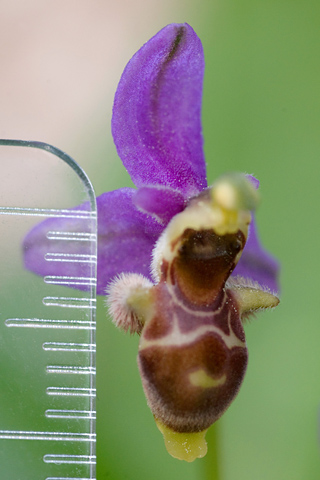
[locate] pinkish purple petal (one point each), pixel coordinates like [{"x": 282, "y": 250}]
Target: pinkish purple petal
[
  {"x": 160, "y": 202},
  {"x": 255, "y": 182},
  {"x": 58, "y": 247},
  {"x": 126, "y": 237},
  {"x": 257, "y": 264},
  {"x": 125, "y": 241},
  {"x": 156, "y": 122}
]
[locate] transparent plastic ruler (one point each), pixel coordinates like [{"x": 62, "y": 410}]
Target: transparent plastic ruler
[{"x": 47, "y": 322}]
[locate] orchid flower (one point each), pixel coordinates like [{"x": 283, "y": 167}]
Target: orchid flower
[{"x": 180, "y": 261}]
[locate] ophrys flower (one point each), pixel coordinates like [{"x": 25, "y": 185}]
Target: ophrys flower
[{"x": 181, "y": 261}]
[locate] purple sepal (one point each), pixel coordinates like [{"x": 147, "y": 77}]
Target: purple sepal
[
  {"x": 257, "y": 264},
  {"x": 57, "y": 247},
  {"x": 254, "y": 181},
  {"x": 126, "y": 237},
  {"x": 125, "y": 241},
  {"x": 156, "y": 122},
  {"x": 160, "y": 202}
]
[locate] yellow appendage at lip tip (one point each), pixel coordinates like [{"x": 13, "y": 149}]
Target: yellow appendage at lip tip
[{"x": 184, "y": 446}]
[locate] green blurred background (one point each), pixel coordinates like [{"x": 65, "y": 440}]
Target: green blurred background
[{"x": 261, "y": 115}]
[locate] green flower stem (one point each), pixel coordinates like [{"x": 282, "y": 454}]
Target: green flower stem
[{"x": 211, "y": 470}]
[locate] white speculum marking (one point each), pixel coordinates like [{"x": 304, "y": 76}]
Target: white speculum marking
[{"x": 178, "y": 338}]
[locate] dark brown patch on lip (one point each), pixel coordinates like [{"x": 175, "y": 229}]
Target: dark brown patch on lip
[
  {"x": 204, "y": 262},
  {"x": 168, "y": 368},
  {"x": 164, "y": 268},
  {"x": 173, "y": 398},
  {"x": 159, "y": 327}
]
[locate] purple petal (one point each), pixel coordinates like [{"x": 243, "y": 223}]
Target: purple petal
[
  {"x": 257, "y": 264},
  {"x": 126, "y": 237},
  {"x": 255, "y": 182},
  {"x": 156, "y": 122},
  {"x": 58, "y": 247},
  {"x": 160, "y": 202},
  {"x": 125, "y": 241}
]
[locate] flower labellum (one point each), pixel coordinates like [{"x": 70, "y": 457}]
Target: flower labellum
[
  {"x": 180, "y": 261},
  {"x": 192, "y": 351}
]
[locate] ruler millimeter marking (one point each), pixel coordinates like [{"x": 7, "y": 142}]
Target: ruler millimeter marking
[
  {"x": 58, "y": 326},
  {"x": 55, "y": 436}
]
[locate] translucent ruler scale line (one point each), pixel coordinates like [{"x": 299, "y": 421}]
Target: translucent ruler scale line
[
  {"x": 49, "y": 436},
  {"x": 50, "y": 323},
  {"x": 47, "y": 212},
  {"x": 68, "y": 478},
  {"x": 71, "y": 392},
  {"x": 49, "y": 329}
]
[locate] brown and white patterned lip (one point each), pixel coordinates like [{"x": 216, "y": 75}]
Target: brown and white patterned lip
[
  {"x": 176, "y": 338},
  {"x": 201, "y": 264},
  {"x": 173, "y": 332},
  {"x": 192, "y": 359},
  {"x": 189, "y": 386}
]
